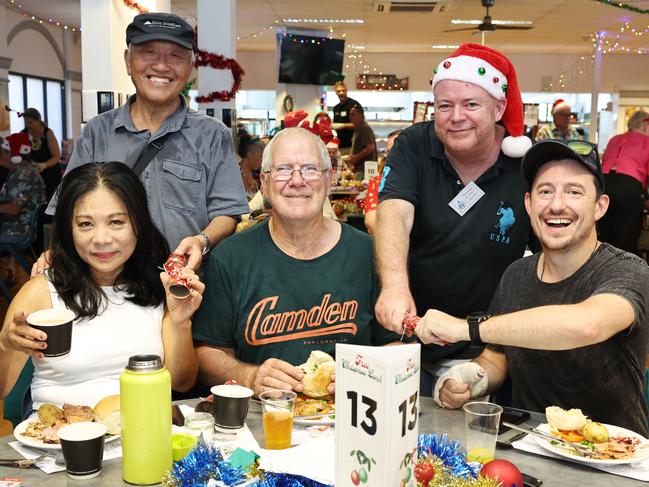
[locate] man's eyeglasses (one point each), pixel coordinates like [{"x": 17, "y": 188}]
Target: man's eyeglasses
[{"x": 285, "y": 172}]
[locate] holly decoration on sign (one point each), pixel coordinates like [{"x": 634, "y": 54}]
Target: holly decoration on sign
[{"x": 361, "y": 475}]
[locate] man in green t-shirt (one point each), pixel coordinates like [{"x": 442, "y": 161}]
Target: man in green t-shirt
[{"x": 297, "y": 283}]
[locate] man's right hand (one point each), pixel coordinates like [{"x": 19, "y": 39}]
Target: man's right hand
[
  {"x": 391, "y": 308},
  {"x": 454, "y": 394},
  {"x": 42, "y": 264},
  {"x": 277, "y": 374}
]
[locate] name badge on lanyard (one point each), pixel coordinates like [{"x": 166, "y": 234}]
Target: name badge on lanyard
[{"x": 466, "y": 198}]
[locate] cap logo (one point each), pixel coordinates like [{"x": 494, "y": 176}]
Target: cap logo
[{"x": 147, "y": 22}]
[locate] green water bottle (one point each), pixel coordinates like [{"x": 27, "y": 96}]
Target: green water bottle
[{"x": 145, "y": 402}]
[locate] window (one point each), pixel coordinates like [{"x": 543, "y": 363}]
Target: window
[{"x": 46, "y": 95}]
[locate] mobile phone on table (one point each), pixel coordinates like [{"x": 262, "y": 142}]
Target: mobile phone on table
[
  {"x": 529, "y": 481},
  {"x": 507, "y": 435}
]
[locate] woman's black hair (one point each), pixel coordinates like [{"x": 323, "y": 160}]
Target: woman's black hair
[{"x": 71, "y": 276}]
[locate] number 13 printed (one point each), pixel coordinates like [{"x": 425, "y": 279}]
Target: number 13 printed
[{"x": 369, "y": 424}]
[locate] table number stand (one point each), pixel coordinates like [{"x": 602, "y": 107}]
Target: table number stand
[{"x": 377, "y": 413}]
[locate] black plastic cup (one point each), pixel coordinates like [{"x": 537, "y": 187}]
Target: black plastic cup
[
  {"x": 83, "y": 448},
  {"x": 230, "y": 406},
  {"x": 57, "y": 323}
]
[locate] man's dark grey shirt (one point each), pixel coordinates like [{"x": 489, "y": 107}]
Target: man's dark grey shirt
[{"x": 192, "y": 180}]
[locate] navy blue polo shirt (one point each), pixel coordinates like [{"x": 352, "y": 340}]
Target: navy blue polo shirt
[{"x": 455, "y": 262}]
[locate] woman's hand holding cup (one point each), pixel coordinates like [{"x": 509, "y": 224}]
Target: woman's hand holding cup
[{"x": 18, "y": 336}]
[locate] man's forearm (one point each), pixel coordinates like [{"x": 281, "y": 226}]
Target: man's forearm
[
  {"x": 393, "y": 226},
  {"x": 216, "y": 366},
  {"x": 219, "y": 228}
]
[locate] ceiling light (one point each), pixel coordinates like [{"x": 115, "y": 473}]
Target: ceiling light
[
  {"x": 357, "y": 46},
  {"x": 444, "y": 46},
  {"x": 495, "y": 22},
  {"x": 323, "y": 21}
]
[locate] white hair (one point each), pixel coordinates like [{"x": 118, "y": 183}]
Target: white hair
[{"x": 267, "y": 157}]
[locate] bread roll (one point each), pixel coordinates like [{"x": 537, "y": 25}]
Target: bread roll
[
  {"x": 318, "y": 370},
  {"x": 559, "y": 418},
  {"x": 107, "y": 411}
]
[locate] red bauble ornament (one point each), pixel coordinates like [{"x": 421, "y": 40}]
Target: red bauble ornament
[
  {"x": 424, "y": 472},
  {"x": 503, "y": 471}
]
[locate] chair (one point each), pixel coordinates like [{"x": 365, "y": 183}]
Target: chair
[{"x": 18, "y": 248}]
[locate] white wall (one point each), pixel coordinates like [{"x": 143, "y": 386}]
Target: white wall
[
  {"x": 33, "y": 54},
  {"x": 620, "y": 72}
]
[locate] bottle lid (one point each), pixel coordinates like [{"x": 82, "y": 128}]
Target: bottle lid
[{"x": 144, "y": 363}]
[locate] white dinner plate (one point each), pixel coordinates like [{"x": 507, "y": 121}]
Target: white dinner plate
[
  {"x": 326, "y": 419},
  {"x": 641, "y": 453},
  {"x": 34, "y": 443}
]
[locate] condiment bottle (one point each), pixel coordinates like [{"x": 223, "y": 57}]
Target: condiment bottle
[{"x": 145, "y": 401}]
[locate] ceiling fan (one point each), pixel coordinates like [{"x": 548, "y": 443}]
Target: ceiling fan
[{"x": 489, "y": 25}]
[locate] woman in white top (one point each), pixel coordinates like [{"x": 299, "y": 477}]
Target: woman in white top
[{"x": 105, "y": 259}]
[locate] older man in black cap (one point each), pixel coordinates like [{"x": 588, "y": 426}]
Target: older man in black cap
[
  {"x": 186, "y": 160},
  {"x": 569, "y": 324}
]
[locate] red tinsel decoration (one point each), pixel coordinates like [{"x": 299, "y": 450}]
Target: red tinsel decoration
[
  {"x": 216, "y": 61},
  {"x": 135, "y": 6}
]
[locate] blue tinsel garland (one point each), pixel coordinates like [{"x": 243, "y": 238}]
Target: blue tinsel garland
[{"x": 205, "y": 463}]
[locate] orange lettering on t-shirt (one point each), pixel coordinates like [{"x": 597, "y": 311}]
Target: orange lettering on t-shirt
[{"x": 264, "y": 326}]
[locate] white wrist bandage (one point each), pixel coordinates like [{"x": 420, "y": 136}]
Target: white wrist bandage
[{"x": 468, "y": 373}]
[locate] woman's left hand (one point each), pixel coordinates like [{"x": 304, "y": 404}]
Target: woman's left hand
[
  {"x": 182, "y": 309},
  {"x": 41, "y": 166}
]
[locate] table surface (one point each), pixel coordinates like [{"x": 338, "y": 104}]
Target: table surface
[{"x": 432, "y": 419}]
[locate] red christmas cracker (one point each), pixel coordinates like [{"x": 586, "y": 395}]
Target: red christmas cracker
[{"x": 173, "y": 266}]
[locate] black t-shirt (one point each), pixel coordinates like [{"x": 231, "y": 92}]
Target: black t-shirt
[
  {"x": 455, "y": 262},
  {"x": 604, "y": 380},
  {"x": 264, "y": 303},
  {"x": 341, "y": 115}
]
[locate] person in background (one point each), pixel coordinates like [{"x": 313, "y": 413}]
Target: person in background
[
  {"x": 560, "y": 128},
  {"x": 259, "y": 318},
  {"x": 342, "y": 123},
  {"x": 22, "y": 192},
  {"x": 250, "y": 151},
  {"x": 46, "y": 151},
  {"x": 363, "y": 143},
  {"x": 626, "y": 167},
  {"x": 193, "y": 184},
  {"x": 105, "y": 256},
  {"x": 372, "y": 193},
  {"x": 451, "y": 213},
  {"x": 569, "y": 325}
]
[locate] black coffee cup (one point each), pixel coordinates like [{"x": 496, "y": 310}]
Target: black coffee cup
[
  {"x": 57, "y": 324},
  {"x": 83, "y": 448},
  {"x": 230, "y": 406}
]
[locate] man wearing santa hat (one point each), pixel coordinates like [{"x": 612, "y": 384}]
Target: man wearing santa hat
[
  {"x": 23, "y": 190},
  {"x": 451, "y": 216},
  {"x": 560, "y": 128}
]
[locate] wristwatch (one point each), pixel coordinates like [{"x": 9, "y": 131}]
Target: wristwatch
[
  {"x": 207, "y": 248},
  {"x": 474, "y": 320}
]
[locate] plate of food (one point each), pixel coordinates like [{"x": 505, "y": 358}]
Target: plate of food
[
  {"x": 39, "y": 430},
  {"x": 315, "y": 398},
  {"x": 610, "y": 444}
]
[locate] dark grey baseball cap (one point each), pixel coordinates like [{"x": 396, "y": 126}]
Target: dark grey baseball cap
[
  {"x": 157, "y": 26},
  {"x": 556, "y": 150}
]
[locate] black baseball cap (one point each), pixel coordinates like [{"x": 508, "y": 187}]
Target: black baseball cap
[
  {"x": 555, "y": 150},
  {"x": 157, "y": 26}
]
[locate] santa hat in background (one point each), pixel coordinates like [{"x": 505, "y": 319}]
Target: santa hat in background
[
  {"x": 333, "y": 143},
  {"x": 560, "y": 104},
  {"x": 322, "y": 129},
  {"x": 490, "y": 70},
  {"x": 18, "y": 145}
]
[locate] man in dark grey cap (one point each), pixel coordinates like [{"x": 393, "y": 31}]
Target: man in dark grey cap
[
  {"x": 569, "y": 325},
  {"x": 192, "y": 181}
]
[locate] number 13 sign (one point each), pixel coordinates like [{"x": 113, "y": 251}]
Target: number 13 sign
[{"x": 377, "y": 408}]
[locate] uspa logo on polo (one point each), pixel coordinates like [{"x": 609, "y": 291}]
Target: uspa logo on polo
[
  {"x": 386, "y": 171},
  {"x": 505, "y": 221}
]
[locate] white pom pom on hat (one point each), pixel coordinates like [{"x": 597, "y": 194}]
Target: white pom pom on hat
[{"x": 492, "y": 71}]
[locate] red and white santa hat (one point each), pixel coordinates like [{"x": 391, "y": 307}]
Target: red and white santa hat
[
  {"x": 560, "y": 104},
  {"x": 18, "y": 145},
  {"x": 490, "y": 70}
]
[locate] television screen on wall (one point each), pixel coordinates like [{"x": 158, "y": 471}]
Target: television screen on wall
[{"x": 310, "y": 60}]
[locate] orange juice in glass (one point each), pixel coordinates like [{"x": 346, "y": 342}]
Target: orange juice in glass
[{"x": 277, "y": 407}]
